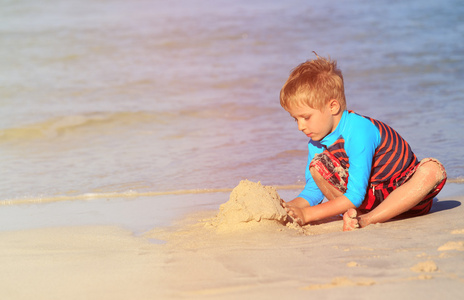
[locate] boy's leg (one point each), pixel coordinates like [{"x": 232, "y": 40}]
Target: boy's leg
[
  {"x": 324, "y": 170},
  {"x": 426, "y": 178},
  {"x": 327, "y": 189}
]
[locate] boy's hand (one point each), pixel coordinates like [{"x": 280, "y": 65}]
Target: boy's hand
[
  {"x": 295, "y": 209},
  {"x": 290, "y": 212},
  {"x": 296, "y": 214}
]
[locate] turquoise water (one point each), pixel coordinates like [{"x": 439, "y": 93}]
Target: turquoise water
[{"x": 131, "y": 97}]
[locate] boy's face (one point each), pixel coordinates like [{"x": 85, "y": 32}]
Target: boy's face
[{"x": 315, "y": 123}]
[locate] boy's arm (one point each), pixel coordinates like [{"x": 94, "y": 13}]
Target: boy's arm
[{"x": 334, "y": 207}]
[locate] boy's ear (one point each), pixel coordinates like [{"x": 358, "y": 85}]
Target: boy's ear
[{"x": 334, "y": 106}]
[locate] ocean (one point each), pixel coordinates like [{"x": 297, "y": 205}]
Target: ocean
[{"x": 164, "y": 106}]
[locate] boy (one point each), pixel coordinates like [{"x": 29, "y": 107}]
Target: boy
[{"x": 361, "y": 165}]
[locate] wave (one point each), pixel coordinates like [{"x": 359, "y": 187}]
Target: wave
[
  {"x": 127, "y": 194},
  {"x": 58, "y": 126},
  {"x": 92, "y": 123}
]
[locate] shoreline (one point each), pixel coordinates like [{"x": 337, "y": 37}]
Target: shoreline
[
  {"x": 136, "y": 213},
  {"x": 135, "y": 194}
]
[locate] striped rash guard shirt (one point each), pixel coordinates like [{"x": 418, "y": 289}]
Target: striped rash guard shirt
[{"x": 373, "y": 153}]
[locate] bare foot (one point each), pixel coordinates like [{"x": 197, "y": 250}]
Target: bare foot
[
  {"x": 350, "y": 220},
  {"x": 296, "y": 214}
]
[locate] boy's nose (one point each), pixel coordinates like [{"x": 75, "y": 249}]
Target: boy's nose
[{"x": 301, "y": 126}]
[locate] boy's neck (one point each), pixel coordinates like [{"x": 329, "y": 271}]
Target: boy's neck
[{"x": 337, "y": 118}]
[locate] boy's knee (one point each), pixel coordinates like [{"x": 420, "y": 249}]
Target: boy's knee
[
  {"x": 330, "y": 187},
  {"x": 432, "y": 168},
  {"x": 329, "y": 175},
  {"x": 315, "y": 173}
]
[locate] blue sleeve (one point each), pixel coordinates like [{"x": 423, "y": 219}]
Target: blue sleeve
[
  {"x": 361, "y": 141},
  {"x": 311, "y": 191}
]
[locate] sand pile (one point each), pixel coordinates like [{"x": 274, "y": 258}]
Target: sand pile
[{"x": 250, "y": 202}]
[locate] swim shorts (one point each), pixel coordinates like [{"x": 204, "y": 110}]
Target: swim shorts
[{"x": 337, "y": 175}]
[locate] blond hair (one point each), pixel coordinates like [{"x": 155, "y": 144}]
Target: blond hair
[{"x": 314, "y": 83}]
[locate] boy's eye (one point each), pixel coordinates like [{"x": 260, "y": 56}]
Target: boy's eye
[{"x": 306, "y": 118}]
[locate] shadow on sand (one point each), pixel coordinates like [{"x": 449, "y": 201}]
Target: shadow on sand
[{"x": 443, "y": 205}]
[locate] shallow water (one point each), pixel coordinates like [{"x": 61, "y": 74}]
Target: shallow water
[{"x": 122, "y": 97}]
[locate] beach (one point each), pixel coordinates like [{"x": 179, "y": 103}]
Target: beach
[
  {"x": 126, "y": 125},
  {"x": 402, "y": 259}
]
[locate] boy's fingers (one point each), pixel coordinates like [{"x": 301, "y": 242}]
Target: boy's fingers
[
  {"x": 283, "y": 203},
  {"x": 296, "y": 220},
  {"x": 291, "y": 213}
]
